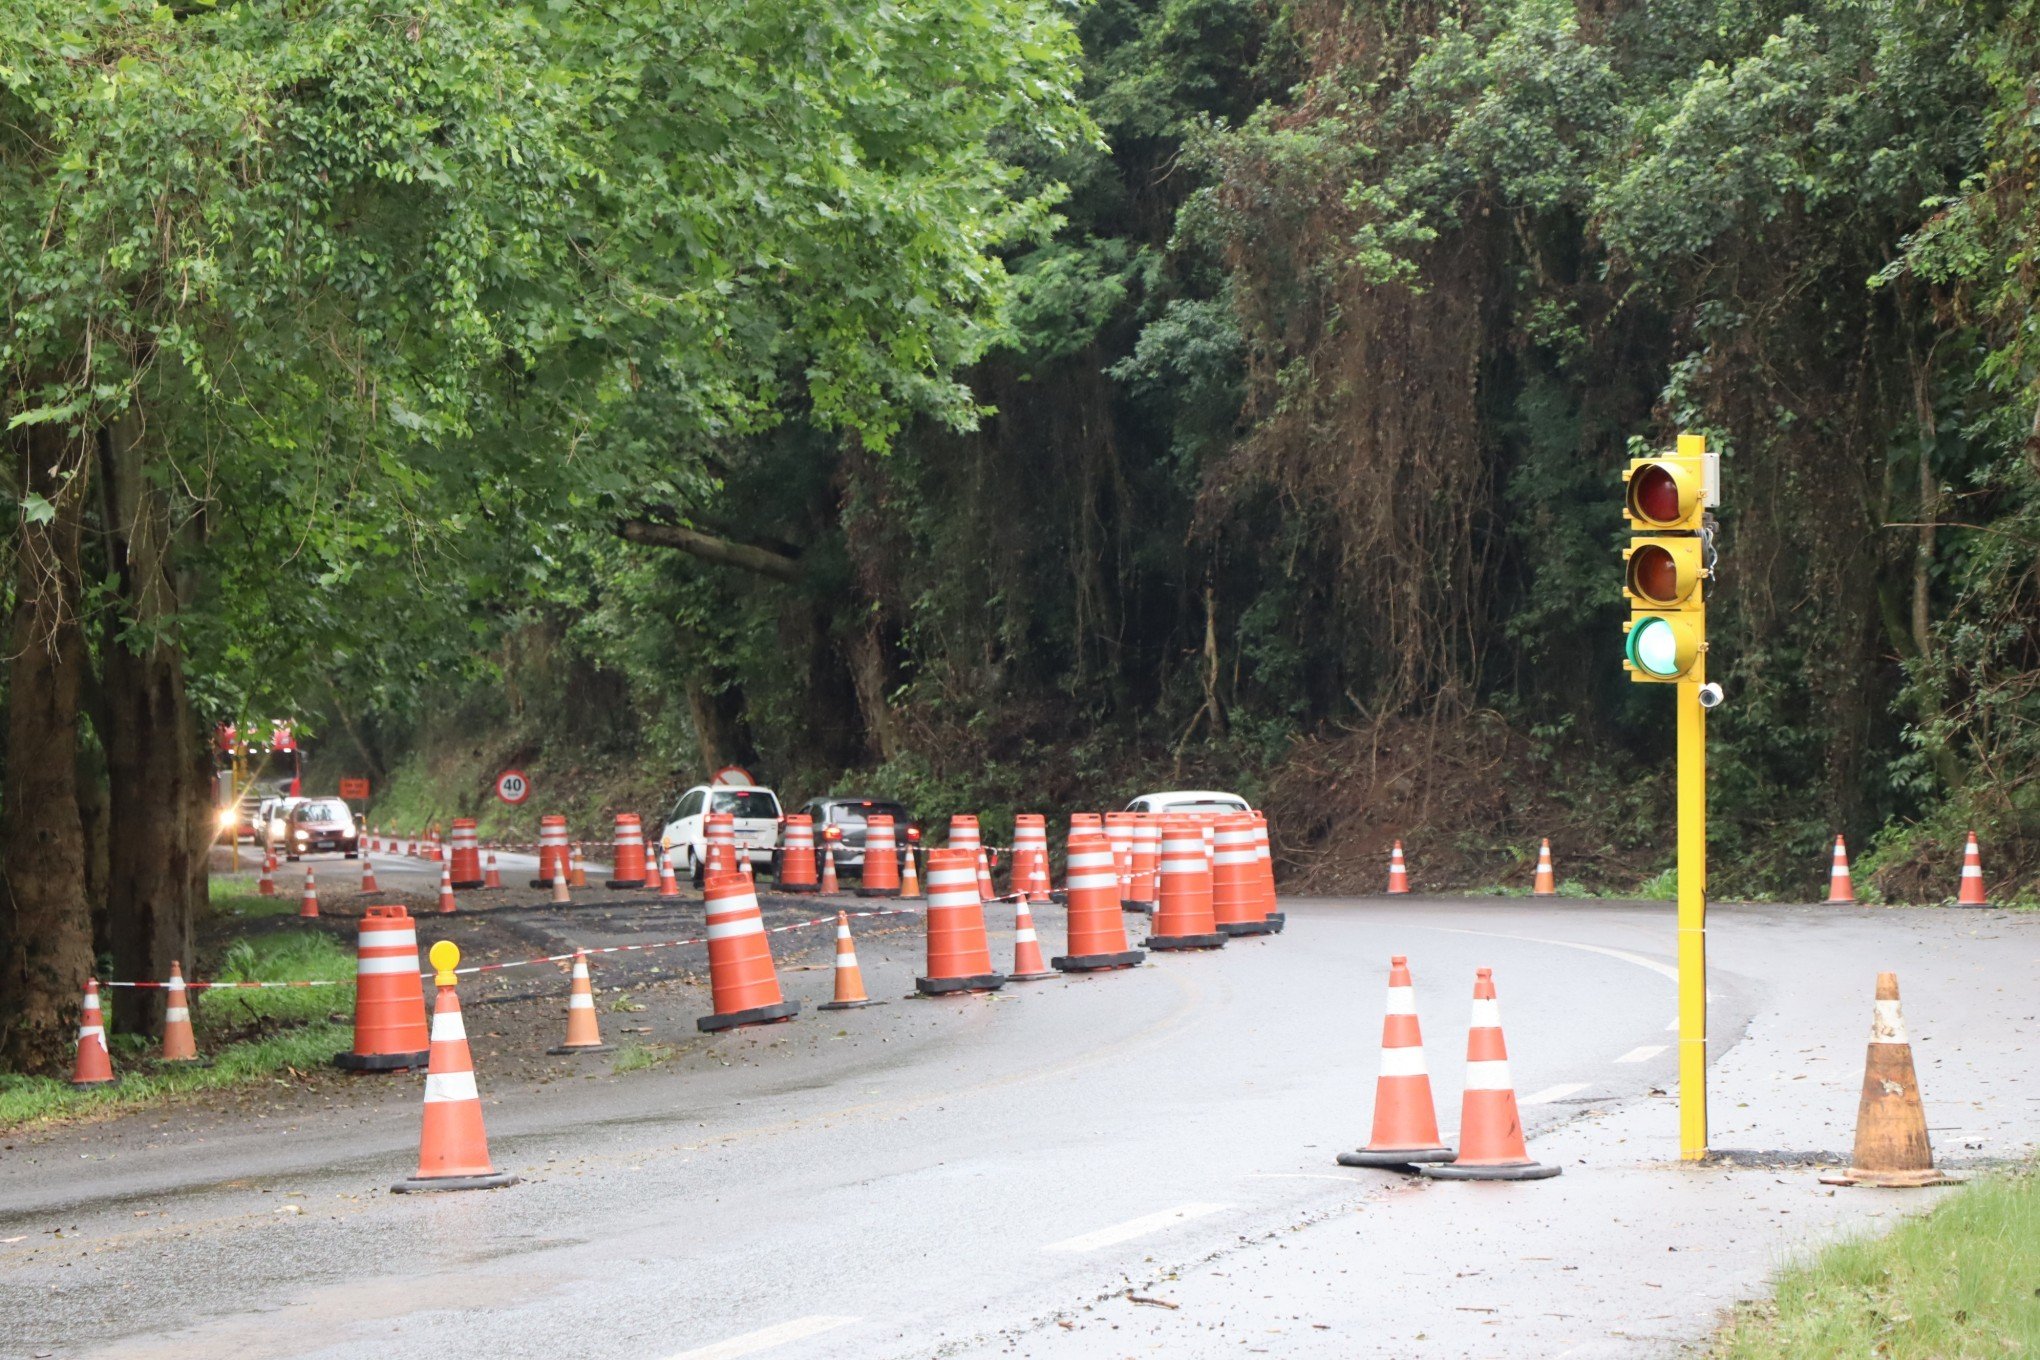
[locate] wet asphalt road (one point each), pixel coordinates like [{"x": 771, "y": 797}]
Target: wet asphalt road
[{"x": 980, "y": 1176}]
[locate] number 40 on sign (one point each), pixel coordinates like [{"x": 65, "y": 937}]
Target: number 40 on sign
[{"x": 513, "y": 787}]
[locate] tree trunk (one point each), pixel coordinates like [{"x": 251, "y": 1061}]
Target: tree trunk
[
  {"x": 45, "y": 924},
  {"x": 151, "y": 736},
  {"x": 872, "y": 677},
  {"x": 720, "y": 733}
]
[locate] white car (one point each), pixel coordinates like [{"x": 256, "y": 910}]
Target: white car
[
  {"x": 756, "y": 821},
  {"x": 1191, "y": 803}
]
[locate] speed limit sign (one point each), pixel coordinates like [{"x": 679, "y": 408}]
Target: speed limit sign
[{"x": 513, "y": 787}]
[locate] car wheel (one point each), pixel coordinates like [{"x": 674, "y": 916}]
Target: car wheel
[
  {"x": 696, "y": 871},
  {"x": 290, "y": 858},
  {"x": 354, "y": 854}
]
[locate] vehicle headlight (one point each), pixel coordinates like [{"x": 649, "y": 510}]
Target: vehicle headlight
[
  {"x": 303, "y": 835},
  {"x": 228, "y": 817}
]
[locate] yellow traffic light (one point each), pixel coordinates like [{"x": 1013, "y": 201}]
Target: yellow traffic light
[{"x": 1663, "y": 571}]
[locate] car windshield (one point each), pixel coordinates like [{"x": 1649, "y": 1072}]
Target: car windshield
[
  {"x": 745, "y": 803},
  {"x": 858, "y": 813},
  {"x": 325, "y": 810}
]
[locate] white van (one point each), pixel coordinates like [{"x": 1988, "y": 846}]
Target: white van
[
  {"x": 1190, "y": 803},
  {"x": 756, "y": 817}
]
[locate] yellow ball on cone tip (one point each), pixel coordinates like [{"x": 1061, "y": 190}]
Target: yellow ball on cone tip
[{"x": 445, "y": 957}]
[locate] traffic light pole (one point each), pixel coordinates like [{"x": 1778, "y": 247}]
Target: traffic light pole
[{"x": 1692, "y": 798}]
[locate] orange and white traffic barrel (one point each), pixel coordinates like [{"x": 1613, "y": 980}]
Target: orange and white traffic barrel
[
  {"x": 959, "y": 954},
  {"x": 741, "y": 976},
  {"x": 1096, "y": 929},
  {"x": 464, "y": 867},
  {"x": 881, "y": 874},
  {"x": 389, "y": 996},
  {"x": 1183, "y": 915},
  {"x": 552, "y": 850}
]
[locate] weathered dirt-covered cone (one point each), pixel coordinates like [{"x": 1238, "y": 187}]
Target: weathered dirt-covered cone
[
  {"x": 453, "y": 1148},
  {"x": 584, "y": 1031},
  {"x": 1891, "y": 1124},
  {"x": 368, "y": 883},
  {"x": 1841, "y": 892},
  {"x": 1491, "y": 1146},
  {"x": 1398, "y": 872},
  {"x": 267, "y": 886},
  {"x": 492, "y": 877},
  {"x": 741, "y": 975},
  {"x": 1405, "y": 1117},
  {"x": 389, "y": 996},
  {"x": 850, "y": 992},
  {"x": 94, "y": 1066},
  {"x": 577, "y": 868},
  {"x": 1545, "y": 884},
  {"x": 559, "y": 884},
  {"x": 308, "y": 904},
  {"x": 959, "y": 955},
  {"x": 446, "y": 902},
  {"x": 1972, "y": 894},
  {"x": 1027, "y": 962},
  {"x": 179, "y": 1044}
]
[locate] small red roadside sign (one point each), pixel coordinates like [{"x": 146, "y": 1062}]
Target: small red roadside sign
[{"x": 513, "y": 787}]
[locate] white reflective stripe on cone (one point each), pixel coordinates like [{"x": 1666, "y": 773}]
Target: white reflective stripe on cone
[
  {"x": 176, "y": 1013},
  {"x": 729, "y": 930},
  {"x": 1403, "y": 1062},
  {"x": 954, "y": 897},
  {"x": 1488, "y": 1076},
  {"x": 397, "y": 963},
  {"x": 1085, "y": 882},
  {"x": 389, "y": 939},
  {"x": 1024, "y": 935},
  {"x": 1886, "y": 1027},
  {"x": 950, "y": 878},
  {"x": 446, "y": 1086},
  {"x": 447, "y": 1025},
  {"x": 1486, "y": 1015},
  {"x": 1970, "y": 871},
  {"x": 1402, "y": 1001},
  {"x": 91, "y": 1032},
  {"x": 580, "y": 1001}
]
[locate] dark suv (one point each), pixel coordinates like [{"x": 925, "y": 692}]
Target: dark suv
[{"x": 841, "y": 821}]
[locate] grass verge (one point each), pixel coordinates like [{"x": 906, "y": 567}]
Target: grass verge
[
  {"x": 1959, "y": 1283},
  {"x": 246, "y": 1036}
]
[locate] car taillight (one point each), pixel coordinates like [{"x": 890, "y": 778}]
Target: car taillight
[
  {"x": 913, "y": 833},
  {"x": 834, "y": 833}
]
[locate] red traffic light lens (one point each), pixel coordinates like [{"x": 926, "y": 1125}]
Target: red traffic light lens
[
  {"x": 1655, "y": 493},
  {"x": 1653, "y": 574}
]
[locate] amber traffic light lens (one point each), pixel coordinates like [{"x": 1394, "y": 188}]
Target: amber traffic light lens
[
  {"x": 1654, "y": 494},
  {"x": 1654, "y": 575}
]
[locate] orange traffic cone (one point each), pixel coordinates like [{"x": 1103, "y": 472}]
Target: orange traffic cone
[
  {"x": 1841, "y": 892},
  {"x": 1030, "y": 856},
  {"x": 880, "y": 875},
  {"x": 797, "y": 855},
  {"x": 453, "y": 1149},
  {"x": 849, "y": 977},
  {"x": 669, "y": 886},
  {"x": 179, "y": 1045},
  {"x": 267, "y": 887},
  {"x": 1971, "y": 894},
  {"x": 1405, "y": 1117},
  {"x": 1183, "y": 917},
  {"x": 584, "y": 1034},
  {"x": 1491, "y": 1144},
  {"x": 1236, "y": 879},
  {"x": 308, "y": 905},
  {"x": 1545, "y": 884},
  {"x": 984, "y": 877},
  {"x": 628, "y": 873},
  {"x": 559, "y": 884},
  {"x": 389, "y": 996},
  {"x": 446, "y": 904},
  {"x": 577, "y": 872},
  {"x": 1265, "y": 858},
  {"x": 744, "y": 868},
  {"x": 740, "y": 971},
  {"x": 1891, "y": 1125},
  {"x": 829, "y": 884},
  {"x": 959, "y": 956},
  {"x": 1398, "y": 872},
  {"x": 1096, "y": 928},
  {"x": 95, "y": 1064},
  {"x": 368, "y": 883},
  {"x": 491, "y": 878},
  {"x": 1027, "y": 963},
  {"x": 910, "y": 879},
  {"x": 963, "y": 835}
]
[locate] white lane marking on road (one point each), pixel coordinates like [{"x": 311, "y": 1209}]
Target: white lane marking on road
[
  {"x": 1661, "y": 969},
  {"x": 1551, "y": 1094},
  {"x": 1134, "y": 1227},
  {"x": 1644, "y": 1054},
  {"x": 750, "y": 1343}
]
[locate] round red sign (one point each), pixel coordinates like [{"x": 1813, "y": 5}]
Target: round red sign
[{"x": 513, "y": 786}]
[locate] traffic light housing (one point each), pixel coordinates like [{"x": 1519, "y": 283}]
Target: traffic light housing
[{"x": 1664, "y": 566}]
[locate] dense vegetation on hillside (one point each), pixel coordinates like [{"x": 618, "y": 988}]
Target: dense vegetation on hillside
[{"x": 994, "y": 400}]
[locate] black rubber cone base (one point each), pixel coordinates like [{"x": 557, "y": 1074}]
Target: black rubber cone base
[
  {"x": 1239, "y": 928},
  {"x": 1029, "y": 977},
  {"x": 547, "y": 883},
  {"x": 848, "y": 1005},
  {"x": 798, "y": 887},
  {"x": 1215, "y": 940},
  {"x": 380, "y": 1062},
  {"x": 465, "y": 885},
  {"x": 1278, "y": 919},
  {"x": 632, "y": 883},
  {"x": 1093, "y": 963},
  {"x": 863, "y": 891},
  {"x": 418, "y": 1185},
  {"x": 583, "y": 1048},
  {"x": 1144, "y": 908},
  {"x": 1396, "y": 1156},
  {"x": 1506, "y": 1171},
  {"x": 981, "y": 982},
  {"x": 757, "y": 1015},
  {"x": 94, "y": 1085}
]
